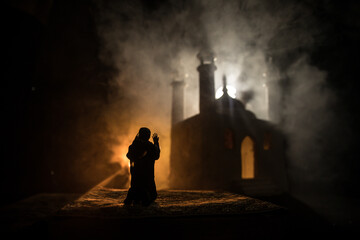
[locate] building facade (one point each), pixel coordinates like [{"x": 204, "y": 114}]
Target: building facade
[{"x": 224, "y": 147}]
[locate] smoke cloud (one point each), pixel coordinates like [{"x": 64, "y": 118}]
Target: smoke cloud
[
  {"x": 151, "y": 44},
  {"x": 309, "y": 120}
]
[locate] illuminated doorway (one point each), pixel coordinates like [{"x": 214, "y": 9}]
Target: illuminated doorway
[{"x": 247, "y": 158}]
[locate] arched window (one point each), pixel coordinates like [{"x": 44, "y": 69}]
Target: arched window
[{"x": 247, "y": 158}]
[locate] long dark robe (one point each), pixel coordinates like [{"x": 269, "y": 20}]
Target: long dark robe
[{"x": 142, "y": 155}]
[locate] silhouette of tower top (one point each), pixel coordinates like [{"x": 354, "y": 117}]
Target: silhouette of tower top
[
  {"x": 225, "y": 91},
  {"x": 206, "y": 56}
]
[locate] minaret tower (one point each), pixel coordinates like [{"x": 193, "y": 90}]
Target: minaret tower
[
  {"x": 206, "y": 71},
  {"x": 177, "y": 111}
]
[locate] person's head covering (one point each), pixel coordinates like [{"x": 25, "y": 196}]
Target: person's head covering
[{"x": 144, "y": 133}]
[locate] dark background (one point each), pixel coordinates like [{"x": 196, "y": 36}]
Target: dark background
[
  {"x": 54, "y": 137},
  {"x": 55, "y": 89}
]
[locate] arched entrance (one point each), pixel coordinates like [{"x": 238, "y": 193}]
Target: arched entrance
[{"x": 247, "y": 158}]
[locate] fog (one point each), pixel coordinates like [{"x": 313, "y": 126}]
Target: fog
[
  {"x": 81, "y": 77},
  {"x": 152, "y": 45}
]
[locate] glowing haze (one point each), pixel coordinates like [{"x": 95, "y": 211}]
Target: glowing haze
[
  {"x": 152, "y": 45},
  {"x": 230, "y": 89}
]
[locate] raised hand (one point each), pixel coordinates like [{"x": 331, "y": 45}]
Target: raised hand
[{"x": 155, "y": 137}]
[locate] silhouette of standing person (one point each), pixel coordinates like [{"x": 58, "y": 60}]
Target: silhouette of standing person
[{"x": 142, "y": 155}]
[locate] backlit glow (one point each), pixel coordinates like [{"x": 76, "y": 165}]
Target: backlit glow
[{"x": 231, "y": 91}]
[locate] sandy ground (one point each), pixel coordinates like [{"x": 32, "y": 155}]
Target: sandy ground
[
  {"x": 101, "y": 214},
  {"x": 107, "y": 202}
]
